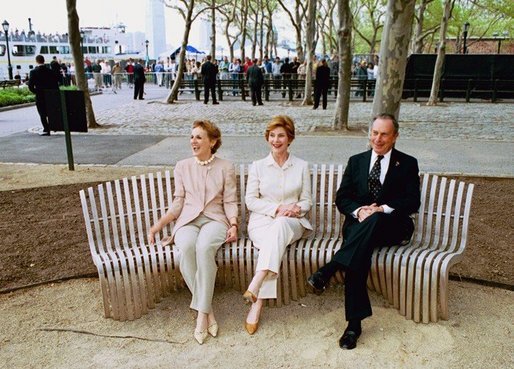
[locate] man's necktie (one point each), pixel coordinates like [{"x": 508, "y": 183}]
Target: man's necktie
[{"x": 374, "y": 179}]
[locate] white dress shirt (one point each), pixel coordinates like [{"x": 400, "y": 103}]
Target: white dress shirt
[
  {"x": 270, "y": 186},
  {"x": 384, "y": 166}
]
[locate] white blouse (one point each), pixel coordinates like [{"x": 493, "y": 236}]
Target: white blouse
[{"x": 270, "y": 186}]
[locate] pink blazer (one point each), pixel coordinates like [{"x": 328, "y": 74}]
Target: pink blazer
[{"x": 209, "y": 189}]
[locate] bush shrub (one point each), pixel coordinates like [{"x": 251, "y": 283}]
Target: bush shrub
[{"x": 15, "y": 96}]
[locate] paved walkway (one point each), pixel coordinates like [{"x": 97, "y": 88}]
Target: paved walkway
[{"x": 456, "y": 138}]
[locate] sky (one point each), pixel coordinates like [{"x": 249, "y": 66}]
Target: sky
[{"x": 49, "y": 16}]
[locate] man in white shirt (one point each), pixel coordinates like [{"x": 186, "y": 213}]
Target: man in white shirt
[
  {"x": 378, "y": 193},
  {"x": 275, "y": 71}
]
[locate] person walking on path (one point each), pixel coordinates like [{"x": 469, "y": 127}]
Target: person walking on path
[
  {"x": 255, "y": 80},
  {"x": 139, "y": 80},
  {"x": 321, "y": 84},
  {"x": 209, "y": 72},
  {"x": 378, "y": 193},
  {"x": 41, "y": 79}
]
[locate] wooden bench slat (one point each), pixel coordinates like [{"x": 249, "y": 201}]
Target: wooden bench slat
[{"x": 134, "y": 276}]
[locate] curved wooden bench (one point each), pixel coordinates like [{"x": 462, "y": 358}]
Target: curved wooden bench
[{"x": 134, "y": 276}]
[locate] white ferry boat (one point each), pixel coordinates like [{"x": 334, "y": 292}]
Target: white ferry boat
[{"x": 97, "y": 43}]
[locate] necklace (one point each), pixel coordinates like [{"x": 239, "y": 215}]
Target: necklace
[{"x": 205, "y": 162}]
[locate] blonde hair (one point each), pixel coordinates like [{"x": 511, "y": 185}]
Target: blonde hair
[{"x": 281, "y": 121}]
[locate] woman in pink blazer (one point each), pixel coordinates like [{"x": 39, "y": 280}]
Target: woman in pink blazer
[
  {"x": 205, "y": 212},
  {"x": 278, "y": 195}
]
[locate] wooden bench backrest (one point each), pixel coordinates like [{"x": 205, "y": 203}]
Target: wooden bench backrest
[{"x": 118, "y": 214}]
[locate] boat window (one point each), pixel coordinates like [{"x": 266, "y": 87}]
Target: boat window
[
  {"x": 92, "y": 49},
  {"x": 2, "y": 50},
  {"x": 54, "y": 50},
  {"x": 64, "y": 49},
  {"x": 43, "y": 50},
  {"x": 23, "y": 50},
  {"x": 106, "y": 50}
]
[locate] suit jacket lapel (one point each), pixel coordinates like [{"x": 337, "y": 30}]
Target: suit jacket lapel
[
  {"x": 394, "y": 165},
  {"x": 364, "y": 162}
]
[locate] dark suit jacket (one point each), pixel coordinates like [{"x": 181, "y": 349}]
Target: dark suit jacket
[
  {"x": 400, "y": 190},
  {"x": 209, "y": 72},
  {"x": 139, "y": 73},
  {"x": 322, "y": 76},
  {"x": 42, "y": 78},
  {"x": 254, "y": 76}
]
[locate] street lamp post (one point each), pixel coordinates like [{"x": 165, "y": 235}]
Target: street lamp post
[
  {"x": 82, "y": 42},
  {"x": 465, "y": 35},
  {"x": 5, "y": 26},
  {"x": 497, "y": 36},
  {"x": 146, "y": 44}
]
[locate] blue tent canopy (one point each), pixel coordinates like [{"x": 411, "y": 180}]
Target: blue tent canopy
[{"x": 189, "y": 49}]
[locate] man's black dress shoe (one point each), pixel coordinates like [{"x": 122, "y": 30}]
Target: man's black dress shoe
[
  {"x": 349, "y": 339},
  {"x": 317, "y": 283},
  {"x": 215, "y": 103}
]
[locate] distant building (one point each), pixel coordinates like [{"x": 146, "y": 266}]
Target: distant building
[{"x": 155, "y": 28}]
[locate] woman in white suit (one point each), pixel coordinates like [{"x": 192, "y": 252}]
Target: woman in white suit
[
  {"x": 278, "y": 195},
  {"x": 205, "y": 211}
]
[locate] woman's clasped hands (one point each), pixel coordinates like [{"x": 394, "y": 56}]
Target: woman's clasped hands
[{"x": 288, "y": 210}]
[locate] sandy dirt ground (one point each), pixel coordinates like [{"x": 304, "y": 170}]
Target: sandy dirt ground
[{"x": 61, "y": 326}]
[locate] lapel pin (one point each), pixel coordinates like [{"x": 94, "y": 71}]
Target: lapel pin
[{"x": 397, "y": 164}]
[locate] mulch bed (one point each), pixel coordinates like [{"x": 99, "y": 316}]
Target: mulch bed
[{"x": 43, "y": 236}]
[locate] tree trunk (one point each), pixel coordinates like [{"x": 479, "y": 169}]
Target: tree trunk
[
  {"x": 418, "y": 35},
  {"x": 345, "y": 65},
  {"x": 298, "y": 36},
  {"x": 441, "y": 52},
  {"x": 78, "y": 60},
  {"x": 255, "y": 32},
  {"x": 393, "y": 56},
  {"x": 296, "y": 22},
  {"x": 261, "y": 32},
  {"x": 213, "y": 29},
  {"x": 309, "y": 52},
  {"x": 244, "y": 21},
  {"x": 172, "y": 96}
]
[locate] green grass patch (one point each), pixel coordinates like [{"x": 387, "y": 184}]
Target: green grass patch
[{"x": 15, "y": 96}]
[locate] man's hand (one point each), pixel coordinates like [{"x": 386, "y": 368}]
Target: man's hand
[
  {"x": 366, "y": 211},
  {"x": 289, "y": 210}
]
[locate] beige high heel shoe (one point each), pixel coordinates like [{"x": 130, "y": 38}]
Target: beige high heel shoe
[
  {"x": 213, "y": 329},
  {"x": 249, "y": 297},
  {"x": 200, "y": 336},
  {"x": 251, "y": 328}
]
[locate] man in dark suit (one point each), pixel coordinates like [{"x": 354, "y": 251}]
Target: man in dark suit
[
  {"x": 41, "y": 79},
  {"x": 139, "y": 80},
  {"x": 255, "y": 80},
  {"x": 321, "y": 84},
  {"x": 209, "y": 72},
  {"x": 378, "y": 193},
  {"x": 286, "y": 71}
]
